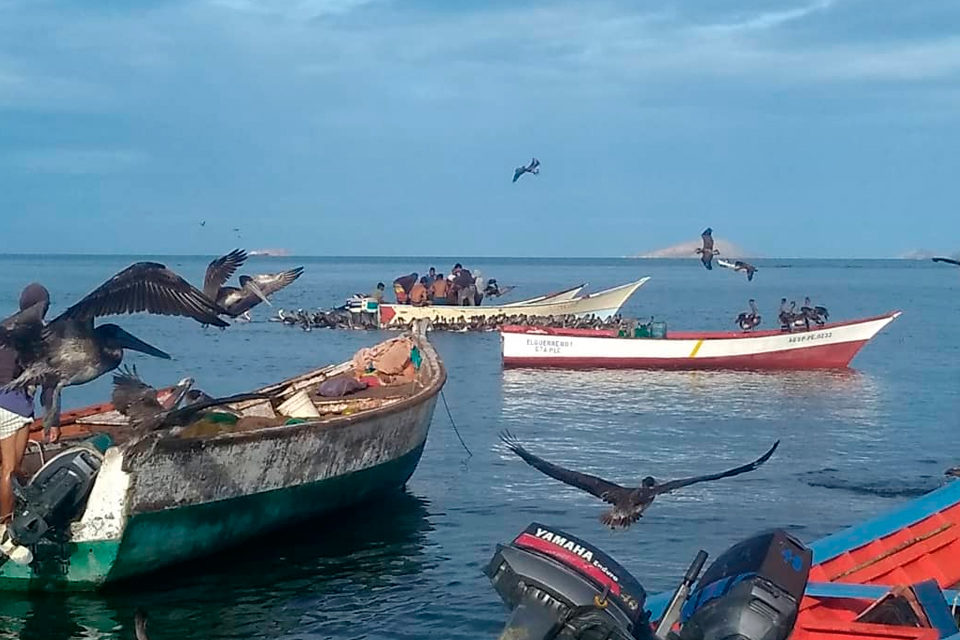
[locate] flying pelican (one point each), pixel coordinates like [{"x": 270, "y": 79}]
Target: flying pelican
[
  {"x": 138, "y": 401},
  {"x": 71, "y": 351},
  {"x": 629, "y": 503},
  {"x": 707, "y": 251},
  {"x": 740, "y": 265},
  {"x": 533, "y": 167},
  {"x": 253, "y": 289},
  {"x": 948, "y": 261}
]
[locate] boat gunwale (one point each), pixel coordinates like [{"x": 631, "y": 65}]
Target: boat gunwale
[
  {"x": 515, "y": 310},
  {"x": 339, "y": 422},
  {"x": 432, "y": 388},
  {"x": 694, "y": 335}
]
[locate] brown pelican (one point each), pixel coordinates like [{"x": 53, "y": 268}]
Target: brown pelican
[
  {"x": 740, "y": 265},
  {"x": 749, "y": 319},
  {"x": 138, "y": 401},
  {"x": 707, "y": 251},
  {"x": 253, "y": 289},
  {"x": 71, "y": 351},
  {"x": 947, "y": 260},
  {"x": 533, "y": 167},
  {"x": 629, "y": 503}
]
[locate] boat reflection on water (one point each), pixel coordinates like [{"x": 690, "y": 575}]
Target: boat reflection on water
[
  {"x": 849, "y": 394},
  {"x": 309, "y": 581}
]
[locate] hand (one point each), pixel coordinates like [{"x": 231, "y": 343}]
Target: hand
[{"x": 53, "y": 435}]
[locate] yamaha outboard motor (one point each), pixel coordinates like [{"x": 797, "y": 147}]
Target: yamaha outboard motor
[
  {"x": 559, "y": 586},
  {"x": 58, "y": 492},
  {"x": 751, "y": 592}
]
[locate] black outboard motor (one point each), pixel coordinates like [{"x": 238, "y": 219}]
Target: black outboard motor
[
  {"x": 58, "y": 491},
  {"x": 751, "y": 592},
  {"x": 559, "y": 586}
]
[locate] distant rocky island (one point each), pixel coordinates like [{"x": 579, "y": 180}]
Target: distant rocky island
[{"x": 688, "y": 250}]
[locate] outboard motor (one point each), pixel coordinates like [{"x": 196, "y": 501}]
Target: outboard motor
[
  {"x": 57, "y": 492},
  {"x": 751, "y": 592},
  {"x": 559, "y": 586}
]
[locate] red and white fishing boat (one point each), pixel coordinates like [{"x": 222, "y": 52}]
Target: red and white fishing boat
[{"x": 831, "y": 346}]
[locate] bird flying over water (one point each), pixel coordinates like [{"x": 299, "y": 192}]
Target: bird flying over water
[
  {"x": 138, "y": 401},
  {"x": 71, "y": 351},
  {"x": 948, "y": 261},
  {"x": 253, "y": 289},
  {"x": 740, "y": 265},
  {"x": 629, "y": 503},
  {"x": 533, "y": 167},
  {"x": 707, "y": 251}
]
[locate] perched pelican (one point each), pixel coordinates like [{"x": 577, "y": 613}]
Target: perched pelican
[
  {"x": 71, "y": 351},
  {"x": 740, "y": 265},
  {"x": 533, "y": 167},
  {"x": 749, "y": 319},
  {"x": 253, "y": 289},
  {"x": 629, "y": 503},
  {"x": 948, "y": 261},
  {"x": 138, "y": 401},
  {"x": 707, "y": 251}
]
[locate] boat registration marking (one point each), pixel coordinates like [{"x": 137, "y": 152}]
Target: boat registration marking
[
  {"x": 811, "y": 336},
  {"x": 696, "y": 347},
  {"x": 547, "y": 345}
]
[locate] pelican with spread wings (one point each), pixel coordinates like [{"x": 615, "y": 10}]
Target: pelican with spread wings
[
  {"x": 707, "y": 251},
  {"x": 237, "y": 301},
  {"x": 71, "y": 351},
  {"x": 629, "y": 503}
]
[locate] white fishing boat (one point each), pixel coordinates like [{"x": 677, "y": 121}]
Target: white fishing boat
[
  {"x": 830, "y": 346},
  {"x": 602, "y": 304}
]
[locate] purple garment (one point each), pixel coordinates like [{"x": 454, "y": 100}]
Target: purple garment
[{"x": 19, "y": 402}]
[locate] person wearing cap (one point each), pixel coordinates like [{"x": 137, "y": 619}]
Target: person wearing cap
[{"x": 16, "y": 408}]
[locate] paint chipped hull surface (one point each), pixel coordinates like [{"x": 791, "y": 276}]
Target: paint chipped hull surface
[
  {"x": 832, "y": 346},
  {"x": 195, "y": 496},
  {"x": 602, "y": 304}
]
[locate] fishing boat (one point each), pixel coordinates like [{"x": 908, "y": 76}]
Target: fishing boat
[
  {"x": 559, "y": 296},
  {"x": 153, "y": 502},
  {"x": 602, "y": 304},
  {"x": 831, "y": 346}
]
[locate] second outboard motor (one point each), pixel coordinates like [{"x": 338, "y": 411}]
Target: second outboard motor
[
  {"x": 559, "y": 586},
  {"x": 58, "y": 491},
  {"x": 751, "y": 592}
]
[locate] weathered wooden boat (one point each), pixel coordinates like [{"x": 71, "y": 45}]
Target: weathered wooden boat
[
  {"x": 602, "y": 304},
  {"x": 830, "y": 346},
  {"x": 164, "y": 500}
]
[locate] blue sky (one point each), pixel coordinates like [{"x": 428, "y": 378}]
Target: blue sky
[{"x": 792, "y": 127}]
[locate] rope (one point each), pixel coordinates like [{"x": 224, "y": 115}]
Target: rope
[{"x": 454, "y": 424}]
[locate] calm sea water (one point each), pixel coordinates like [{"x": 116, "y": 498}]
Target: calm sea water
[{"x": 853, "y": 444}]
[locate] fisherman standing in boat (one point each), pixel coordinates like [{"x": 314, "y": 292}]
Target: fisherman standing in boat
[
  {"x": 438, "y": 290},
  {"x": 16, "y": 406}
]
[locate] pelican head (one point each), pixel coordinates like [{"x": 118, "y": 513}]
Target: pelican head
[
  {"x": 110, "y": 335},
  {"x": 649, "y": 482}
]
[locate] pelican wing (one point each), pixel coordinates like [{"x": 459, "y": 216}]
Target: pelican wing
[
  {"x": 707, "y": 237},
  {"x": 132, "y": 396},
  {"x": 183, "y": 416},
  {"x": 947, "y": 260},
  {"x": 685, "y": 482},
  {"x": 519, "y": 171},
  {"x": 150, "y": 287},
  {"x": 270, "y": 283},
  {"x": 603, "y": 489},
  {"x": 221, "y": 270}
]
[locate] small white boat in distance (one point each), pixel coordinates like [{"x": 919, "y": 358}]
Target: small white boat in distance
[
  {"x": 831, "y": 346},
  {"x": 602, "y": 304}
]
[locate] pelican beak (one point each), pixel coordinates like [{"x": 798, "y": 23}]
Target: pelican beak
[
  {"x": 257, "y": 291},
  {"x": 128, "y": 341}
]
